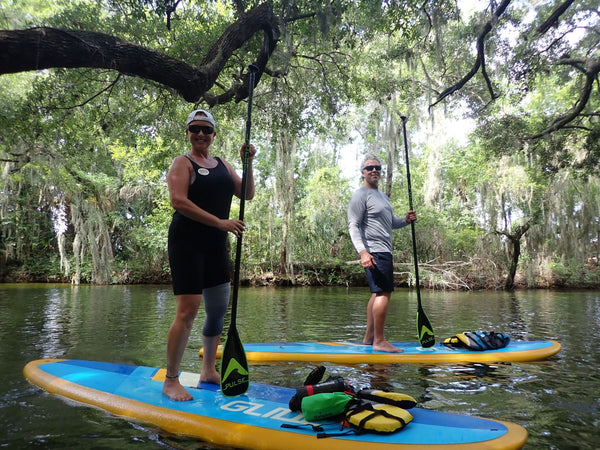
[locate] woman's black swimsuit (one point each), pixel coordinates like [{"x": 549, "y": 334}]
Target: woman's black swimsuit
[{"x": 198, "y": 254}]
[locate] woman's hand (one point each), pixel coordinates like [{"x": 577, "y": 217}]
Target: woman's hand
[
  {"x": 234, "y": 226},
  {"x": 251, "y": 152}
]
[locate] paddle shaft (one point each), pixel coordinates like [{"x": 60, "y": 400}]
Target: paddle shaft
[
  {"x": 424, "y": 328},
  {"x": 410, "y": 205},
  {"x": 238, "y": 251}
]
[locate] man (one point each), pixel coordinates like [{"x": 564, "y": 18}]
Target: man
[{"x": 370, "y": 223}]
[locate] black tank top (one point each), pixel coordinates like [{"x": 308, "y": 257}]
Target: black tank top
[{"x": 212, "y": 190}]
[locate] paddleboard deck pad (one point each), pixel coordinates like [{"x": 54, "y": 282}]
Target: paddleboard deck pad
[
  {"x": 412, "y": 352},
  {"x": 253, "y": 420}
]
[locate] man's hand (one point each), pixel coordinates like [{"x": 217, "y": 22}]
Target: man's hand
[
  {"x": 411, "y": 216},
  {"x": 367, "y": 260}
]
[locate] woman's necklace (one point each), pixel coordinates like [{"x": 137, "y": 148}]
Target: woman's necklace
[
  {"x": 205, "y": 161},
  {"x": 210, "y": 162}
]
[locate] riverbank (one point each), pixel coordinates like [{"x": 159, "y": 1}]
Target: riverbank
[{"x": 449, "y": 275}]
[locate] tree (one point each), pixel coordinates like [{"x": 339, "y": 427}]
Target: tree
[
  {"x": 516, "y": 54},
  {"x": 109, "y": 128},
  {"x": 515, "y": 240},
  {"x": 324, "y": 210},
  {"x": 46, "y": 47}
]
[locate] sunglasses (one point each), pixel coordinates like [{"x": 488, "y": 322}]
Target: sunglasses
[
  {"x": 369, "y": 168},
  {"x": 198, "y": 128}
]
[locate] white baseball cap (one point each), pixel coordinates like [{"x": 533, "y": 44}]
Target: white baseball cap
[{"x": 200, "y": 114}]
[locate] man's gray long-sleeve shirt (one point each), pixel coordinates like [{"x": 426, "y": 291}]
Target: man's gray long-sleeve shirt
[{"x": 371, "y": 221}]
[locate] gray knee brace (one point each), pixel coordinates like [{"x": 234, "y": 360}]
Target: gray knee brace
[{"x": 216, "y": 300}]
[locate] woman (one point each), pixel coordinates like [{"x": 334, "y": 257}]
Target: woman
[{"x": 201, "y": 188}]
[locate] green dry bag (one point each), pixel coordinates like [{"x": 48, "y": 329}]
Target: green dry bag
[{"x": 325, "y": 405}]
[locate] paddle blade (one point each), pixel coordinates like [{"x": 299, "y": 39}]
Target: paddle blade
[
  {"x": 425, "y": 330},
  {"x": 235, "y": 377}
]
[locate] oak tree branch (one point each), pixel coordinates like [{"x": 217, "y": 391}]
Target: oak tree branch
[{"x": 47, "y": 47}]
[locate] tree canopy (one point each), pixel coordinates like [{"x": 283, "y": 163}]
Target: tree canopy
[{"x": 95, "y": 94}]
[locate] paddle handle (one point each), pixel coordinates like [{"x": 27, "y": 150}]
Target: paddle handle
[{"x": 245, "y": 162}]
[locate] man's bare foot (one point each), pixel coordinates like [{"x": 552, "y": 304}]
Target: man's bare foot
[
  {"x": 385, "y": 346},
  {"x": 368, "y": 340},
  {"x": 173, "y": 389},
  {"x": 210, "y": 376}
]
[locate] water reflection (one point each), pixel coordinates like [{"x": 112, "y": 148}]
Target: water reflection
[{"x": 55, "y": 314}]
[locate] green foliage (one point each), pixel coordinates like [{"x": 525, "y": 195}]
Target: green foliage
[
  {"x": 570, "y": 273},
  {"x": 99, "y": 144},
  {"x": 591, "y": 158},
  {"x": 324, "y": 210}
]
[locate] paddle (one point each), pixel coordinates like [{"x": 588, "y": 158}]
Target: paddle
[
  {"x": 235, "y": 378},
  {"x": 424, "y": 328}
]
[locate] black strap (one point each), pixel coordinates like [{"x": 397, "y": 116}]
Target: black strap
[{"x": 314, "y": 427}]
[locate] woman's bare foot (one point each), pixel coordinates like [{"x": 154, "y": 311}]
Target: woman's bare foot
[
  {"x": 173, "y": 389},
  {"x": 385, "y": 346},
  {"x": 210, "y": 376}
]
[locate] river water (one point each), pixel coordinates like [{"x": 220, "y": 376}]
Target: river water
[{"x": 557, "y": 401}]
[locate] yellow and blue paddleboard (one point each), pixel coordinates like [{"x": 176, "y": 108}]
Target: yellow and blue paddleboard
[
  {"x": 253, "y": 420},
  {"x": 412, "y": 352}
]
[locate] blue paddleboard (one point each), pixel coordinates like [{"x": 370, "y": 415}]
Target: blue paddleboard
[
  {"x": 412, "y": 352},
  {"x": 252, "y": 420}
]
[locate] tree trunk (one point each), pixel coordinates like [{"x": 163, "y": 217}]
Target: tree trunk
[
  {"x": 515, "y": 240},
  {"x": 284, "y": 193},
  {"x": 514, "y": 262}
]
